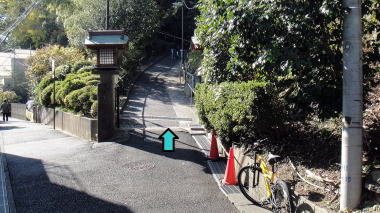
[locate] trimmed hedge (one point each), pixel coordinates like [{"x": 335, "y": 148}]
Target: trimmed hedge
[
  {"x": 239, "y": 111},
  {"x": 85, "y": 69},
  {"x": 80, "y": 64},
  {"x": 44, "y": 96},
  {"x": 62, "y": 71},
  {"x": 76, "y": 92},
  {"x": 94, "y": 109}
]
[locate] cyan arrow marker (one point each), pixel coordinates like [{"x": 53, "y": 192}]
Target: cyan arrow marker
[{"x": 168, "y": 138}]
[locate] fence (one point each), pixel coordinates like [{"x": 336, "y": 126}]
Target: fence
[{"x": 190, "y": 81}]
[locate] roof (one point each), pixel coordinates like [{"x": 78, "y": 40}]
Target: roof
[{"x": 106, "y": 38}]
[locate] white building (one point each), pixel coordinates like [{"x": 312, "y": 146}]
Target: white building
[{"x": 13, "y": 62}]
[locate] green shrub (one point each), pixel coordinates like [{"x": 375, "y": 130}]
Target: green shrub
[
  {"x": 239, "y": 111},
  {"x": 62, "y": 71},
  {"x": 44, "y": 96},
  {"x": 79, "y": 65},
  {"x": 40, "y": 62},
  {"x": 58, "y": 86},
  {"x": 67, "y": 88},
  {"x": 94, "y": 109},
  {"x": 87, "y": 98},
  {"x": 92, "y": 83},
  {"x": 85, "y": 69},
  {"x": 195, "y": 59},
  {"x": 93, "y": 93},
  {"x": 81, "y": 100},
  {"x": 91, "y": 78},
  {"x": 43, "y": 84},
  {"x": 72, "y": 100}
]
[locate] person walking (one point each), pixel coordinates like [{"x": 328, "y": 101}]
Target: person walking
[{"x": 6, "y": 109}]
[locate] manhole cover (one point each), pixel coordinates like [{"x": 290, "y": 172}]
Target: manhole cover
[{"x": 139, "y": 166}]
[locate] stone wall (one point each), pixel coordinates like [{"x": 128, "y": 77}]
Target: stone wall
[{"x": 18, "y": 111}]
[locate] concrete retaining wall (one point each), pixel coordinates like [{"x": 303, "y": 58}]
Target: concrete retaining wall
[
  {"x": 76, "y": 125},
  {"x": 18, "y": 111},
  {"x": 82, "y": 127}
]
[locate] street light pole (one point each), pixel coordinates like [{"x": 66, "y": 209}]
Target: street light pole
[
  {"x": 53, "y": 68},
  {"x": 182, "y": 40}
]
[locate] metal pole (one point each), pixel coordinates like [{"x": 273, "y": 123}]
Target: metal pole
[
  {"x": 53, "y": 68},
  {"x": 182, "y": 39},
  {"x": 118, "y": 106},
  {"x": 352, "y": 133},
  {"x": 107, "y": 14}
]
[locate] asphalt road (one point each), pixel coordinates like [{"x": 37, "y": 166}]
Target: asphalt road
[{"x": 53, "y": 172}]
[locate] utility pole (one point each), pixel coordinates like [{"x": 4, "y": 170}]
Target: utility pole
[
  {"x": 352, "y": 133},
  {"x": 107, "y": 14}
]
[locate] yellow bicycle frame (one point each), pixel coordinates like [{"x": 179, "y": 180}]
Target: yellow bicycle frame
[{"x": 268, "y": 175}]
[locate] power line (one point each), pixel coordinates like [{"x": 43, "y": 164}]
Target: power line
[
  {"x": 173, "y": 36},
  {"x": 189, "y": 8},
  {"x": 22, "y": 17}
]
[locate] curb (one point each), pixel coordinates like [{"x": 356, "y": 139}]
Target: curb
[
  {"x": 7, "y": 201},
  {"x": 235, "y": 197}
]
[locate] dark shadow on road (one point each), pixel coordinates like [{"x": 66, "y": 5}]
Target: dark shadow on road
[
  {"x": 33, "y": 191},
  {"x": 151, "y": 85},
  {"x": 193, "y": 154},
  {"x": 8, "y": 127}
]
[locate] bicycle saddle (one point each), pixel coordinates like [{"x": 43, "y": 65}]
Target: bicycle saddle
[{"x": 272, "y": 158}]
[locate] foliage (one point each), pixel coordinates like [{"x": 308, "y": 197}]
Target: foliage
[
  {"x": 81, "y": 100},
  {"x": 39, "y": 28},
  {"x": 138, "y": 18},
  {"x": 62, "y": 71},
  {"x": 85, "y": 69},
  {"x": 239, "y": 111},
  {"x": 10, "y": 96},
  {"x": 40, "y": 63},
  {"x": 371, "y": 120},
  {"x": 75, "y": 88},
  {"x": 94, "y": 109},
  {"x": 44, "y": 97},
  {"x": 276, "y": 41},
  {"x": 310, "y": 141},
  {"x": 80, "y": 64},
  {"x": 195, "y": 59}
]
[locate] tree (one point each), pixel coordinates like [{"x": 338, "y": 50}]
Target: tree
[
  {"x": 39, "y": 27},
  {"x": 10, "y": 96},
  {"x": 138, "y": 18},
  {"x": 40, "y": 63},
  {"x": 294, "y": 44}
]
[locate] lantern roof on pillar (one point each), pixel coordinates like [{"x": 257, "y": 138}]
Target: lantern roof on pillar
[{"x": 98, "y": 39}]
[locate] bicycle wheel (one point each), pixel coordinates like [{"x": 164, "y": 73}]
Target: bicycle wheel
[
  {"x": 252, "y": 185},
  {"x": 281, "y": 197}
]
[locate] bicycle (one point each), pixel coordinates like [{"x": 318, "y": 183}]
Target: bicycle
[{"x": 259, "y": 185}]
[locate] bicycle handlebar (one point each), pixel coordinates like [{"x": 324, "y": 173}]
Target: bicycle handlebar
[{"x": 255, "y": 145}]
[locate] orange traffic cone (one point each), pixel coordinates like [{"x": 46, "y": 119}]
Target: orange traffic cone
[
  {"x": 214, "y": 154},
  {"x": 229, "y": 176}
]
